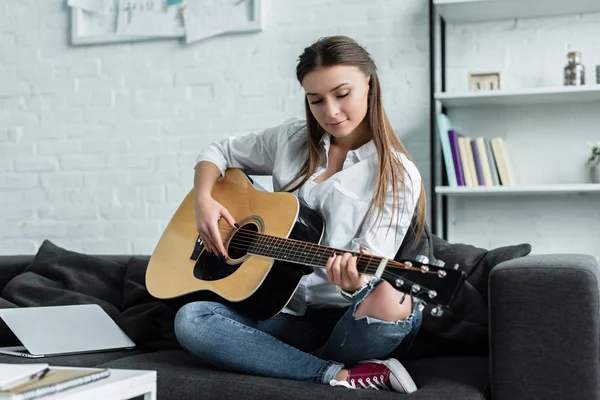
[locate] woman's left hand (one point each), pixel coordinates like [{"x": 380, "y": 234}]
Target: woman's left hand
[{"x": 342, "y": 271}]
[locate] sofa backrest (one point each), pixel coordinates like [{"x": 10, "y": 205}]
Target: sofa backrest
[{"x": 13, "y": 265}]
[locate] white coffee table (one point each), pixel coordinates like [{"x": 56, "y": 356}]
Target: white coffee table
[{"x": 121, "y": 384}]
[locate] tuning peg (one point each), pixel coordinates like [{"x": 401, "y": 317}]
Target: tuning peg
[
  {"x": 415, "y": 288},
  {"x": 438, "y": 263},
  {"x": 437, "y": 311},
  {"x": 424, "y": 268},
  {"x": 422, "y": 259},
  {"x": 441, "y": 273},
  {"x": 432, "y": 294},
  {"x": 420, "y": 306},
  {"x": 455, "y": 266},
  {"x": 399, "y": 282}
]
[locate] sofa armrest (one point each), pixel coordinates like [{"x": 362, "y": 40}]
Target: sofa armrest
[{"x": 544, "y": 328}]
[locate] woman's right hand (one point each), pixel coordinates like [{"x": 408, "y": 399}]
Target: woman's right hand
[{"x": 208, "y": 212}]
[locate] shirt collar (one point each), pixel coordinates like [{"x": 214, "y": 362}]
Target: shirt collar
[{"x": 363, "y": 152}]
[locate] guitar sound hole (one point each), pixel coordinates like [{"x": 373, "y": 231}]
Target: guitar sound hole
[
  {"x": 240, "y": 241},
  {"x": 211, "y": 268}
]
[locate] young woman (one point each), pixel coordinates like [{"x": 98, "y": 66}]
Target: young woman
[{"x": 344, "y": 161}]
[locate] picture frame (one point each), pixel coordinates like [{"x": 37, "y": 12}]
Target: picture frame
[
  {"x": 484, "y": 81},
  {"x": 90, "y": 28}
]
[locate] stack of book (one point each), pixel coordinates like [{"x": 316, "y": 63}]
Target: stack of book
[{"x": 474, "y": 161}]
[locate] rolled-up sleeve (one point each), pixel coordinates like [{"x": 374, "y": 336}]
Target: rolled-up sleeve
[
  {"x": 254, "y": 153},
  {"x": 385, "y": 238}
]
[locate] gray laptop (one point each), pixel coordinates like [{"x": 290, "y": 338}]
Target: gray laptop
[{"x": 59, "y": 330}]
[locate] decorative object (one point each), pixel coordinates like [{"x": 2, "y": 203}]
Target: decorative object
[
  {"x": 153, "y": 19},
  {"x": 485, "y": 81},
  {"x": 594, "y": 163},
  {"x": 574, "y": 70}
]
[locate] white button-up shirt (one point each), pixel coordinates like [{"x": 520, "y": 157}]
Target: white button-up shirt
[{"x": 342, "y": 200}]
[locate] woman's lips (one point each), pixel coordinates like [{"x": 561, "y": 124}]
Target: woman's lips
[{"x": 338, "y": 123}]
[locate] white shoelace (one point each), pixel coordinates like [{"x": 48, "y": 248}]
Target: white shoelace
[{"x": 376, "y": 384}]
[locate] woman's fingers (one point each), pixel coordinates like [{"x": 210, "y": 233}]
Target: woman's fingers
[
  {"x": 352, "y": 275},
  {"x": 230, "y": 220},
  {"x": 208, "y": 244},
  {"x": 328, "y": 267},
  {"x": 217, "y": 242},
  {"x": 366, "y": 252},
  {"x": 336, "y": 270},
  {"x": 351, "y": 279}
]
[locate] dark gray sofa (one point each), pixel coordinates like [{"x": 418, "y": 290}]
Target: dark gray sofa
[{"x": 544, "y": 336}]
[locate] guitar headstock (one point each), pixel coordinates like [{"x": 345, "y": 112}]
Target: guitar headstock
[{"x": 428, "y": 282}]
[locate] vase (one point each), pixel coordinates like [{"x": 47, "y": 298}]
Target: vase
[{"x": 594, "y": 171}]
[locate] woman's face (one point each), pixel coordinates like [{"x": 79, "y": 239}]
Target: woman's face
[{"x": 337, "y": 97}]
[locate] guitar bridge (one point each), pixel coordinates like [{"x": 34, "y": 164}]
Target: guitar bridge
[{"x": 197, "y": 249}]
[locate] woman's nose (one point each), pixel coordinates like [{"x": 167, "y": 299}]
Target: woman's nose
[{"x": 331, "y": 109}]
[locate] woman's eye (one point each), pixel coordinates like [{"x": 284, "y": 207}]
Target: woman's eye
[
  {"x": 316, "y": 101},
  {"x": 342, "y": 95}
]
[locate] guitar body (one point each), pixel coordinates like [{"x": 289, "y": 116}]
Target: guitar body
[{"x": 181, "y": 271}]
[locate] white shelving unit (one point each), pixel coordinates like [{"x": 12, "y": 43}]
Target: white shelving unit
[
  {"x": 572, "y": 94},
  {"x": 545, "y": 129},
  {"x": 463, "y": 11},
  {"x": 525, "y": 190}
]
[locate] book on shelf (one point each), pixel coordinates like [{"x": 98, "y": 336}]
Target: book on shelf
[
  {"x": 466, "y": 155},
  {"x": 491, "y": 162},
  {"x": 484, "y": 162},
  {"x": 474, "y": 162},
  {"x": 477, "y": 163},
  {"x": 444, "y": 125},
  {"x": 53, "y": 380},
  {"x": 503, "y": 162},
  {"x": 456, "y": 161},
  {"x": 464, "y": 160}
]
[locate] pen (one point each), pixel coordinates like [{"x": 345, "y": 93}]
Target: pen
[{"x": 40, "y": 375}]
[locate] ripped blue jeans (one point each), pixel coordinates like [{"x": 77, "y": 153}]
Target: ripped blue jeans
[{"x": 313, "y": 347}]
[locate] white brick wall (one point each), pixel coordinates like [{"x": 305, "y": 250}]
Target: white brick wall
[
  {"x": 547, "y": 143},
  {"x": 97, "y": 143}
]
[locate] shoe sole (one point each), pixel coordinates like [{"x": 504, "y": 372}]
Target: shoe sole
[{"x": 404, "y": 380}]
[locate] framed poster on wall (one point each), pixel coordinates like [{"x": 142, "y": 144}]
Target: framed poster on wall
[{"x": 136, "y": 20}]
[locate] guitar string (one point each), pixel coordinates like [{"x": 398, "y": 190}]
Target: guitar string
[
  {"x": 386, "y": 274},
  {"x": 319, "y": 254},
  {"x": 320, "y": 250},
  {"x": 246, "y": 244},
  {"x": 308, "y": 257}
]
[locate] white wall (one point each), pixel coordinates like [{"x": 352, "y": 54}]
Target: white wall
[
  {"x": 97, "y": 143},
  {"x": 547, "y": 143}
]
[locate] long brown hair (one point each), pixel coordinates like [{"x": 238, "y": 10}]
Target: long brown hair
[{"x": 342, "y": 50}]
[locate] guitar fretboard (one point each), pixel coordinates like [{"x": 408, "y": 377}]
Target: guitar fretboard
[{"x": 300, "y": 252}]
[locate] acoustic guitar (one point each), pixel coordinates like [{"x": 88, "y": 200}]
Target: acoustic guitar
[{"x": 275, "y": 243}]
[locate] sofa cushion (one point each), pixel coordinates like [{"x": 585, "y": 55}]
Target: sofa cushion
[
  {"x": 463, "y": 329},
  {"x": 61, "y": 277},
  {"x": 183, "y": 376},
  {"x": 11, "y": 266},
  {"x": 57, "y": 277}
]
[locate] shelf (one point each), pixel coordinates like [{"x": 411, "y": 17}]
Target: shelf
[
  {"x": 519, "y": 190},
  {"x": 561, "y": 94},
  {"x": 461, "y": 11}
]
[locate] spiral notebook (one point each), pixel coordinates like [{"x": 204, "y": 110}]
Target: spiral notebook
[{"x": 55, "y": 380}]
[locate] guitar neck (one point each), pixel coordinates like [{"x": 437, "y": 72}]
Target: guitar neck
[{"x": 305, "y": 253}]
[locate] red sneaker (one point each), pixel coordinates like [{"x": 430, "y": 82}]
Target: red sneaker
[{"x": 380, "y": 375}]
